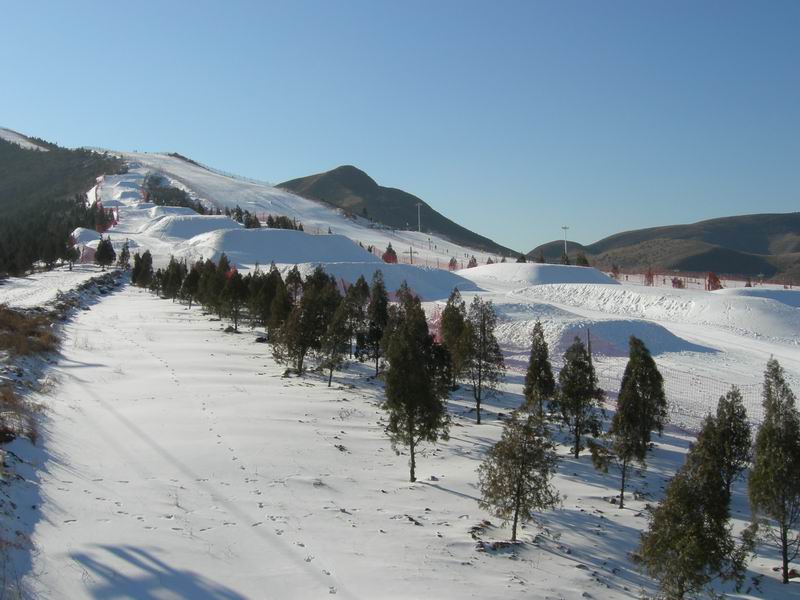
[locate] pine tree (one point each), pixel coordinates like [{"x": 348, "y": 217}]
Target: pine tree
[
  {"x": 414, "y": 394},
  {"x": 774, "y": 483},
  {"x": 581, "y": 260},
  {"x": 473, "y": 262},
  {"x": 308, "y": 321},
  {"x": 280, "y": 308},
  {"x": 521, "y": 259},
  {"x": 578, "y": 399},
  {"x": 689, "y": 543},
  {"x": 540, "y": 385},
  {"x": 564, "y": 259},
  {"x": 540, "y": 257},
  {"x": 124, "y": 258},
  {"x": 641, "y": 409},
  {"x": 191, "y": 283},
  {"x": 515, "y": 478},
  {"x": 234, "y": 296},
  {"x": 334, "y": 342},
  {"x": 733, "y": 437},
  {"x": 71, "y": 255},
  {"x": 105, "y": 254},
  {"x": 485, "y": 364},
  {"x": 357, "y": 299},
  {"x": 454, "y": 318},
  {"x": 294, "y": 283},
  {"x": 377, "y": 318}
]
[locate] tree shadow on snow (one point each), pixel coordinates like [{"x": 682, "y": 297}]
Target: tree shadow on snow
[{"x": 150, "y": 580}]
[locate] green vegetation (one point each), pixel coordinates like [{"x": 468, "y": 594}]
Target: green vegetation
[{"x": 42, "y": 199}]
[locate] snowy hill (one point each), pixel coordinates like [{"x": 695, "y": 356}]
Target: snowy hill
[{"x": 19, "y": 139}]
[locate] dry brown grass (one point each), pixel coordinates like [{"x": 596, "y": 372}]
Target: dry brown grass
[{"x": 23, "y": 333}]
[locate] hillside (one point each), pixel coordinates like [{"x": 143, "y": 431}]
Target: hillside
[
  {"x": 760, "y": 244},
  {"x": 354, "y": 191}
]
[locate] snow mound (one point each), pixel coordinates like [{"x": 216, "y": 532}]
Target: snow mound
[
  {"x": 246, "y": 247},
  {"x": 186, "y": 226},
  {"x": 609, "y": 336},
  {"x": 527, "y": 274},
  {"x": 156, "y": 212},
  {"x": 429, "y": 284},
  {"x": 81, "y": 235},
  {"x": 19, "y": 140},
  {"x": 757, "y": 317},
  {"x": 788, "y": 297}
]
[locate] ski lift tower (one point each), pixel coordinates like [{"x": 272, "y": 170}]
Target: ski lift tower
[{"x": 564, "y": 227}]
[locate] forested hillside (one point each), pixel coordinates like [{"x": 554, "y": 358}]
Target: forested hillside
[{"x": 41, "y": 199}]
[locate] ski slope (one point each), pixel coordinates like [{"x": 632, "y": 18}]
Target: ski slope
[
  {"x": 177, "y": 462},
  {"x": 19, "y": 139}
]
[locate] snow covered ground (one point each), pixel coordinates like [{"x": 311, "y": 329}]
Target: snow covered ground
[
  {"x": 42, "y": 288},
  {"x": 177, "y": 462}
]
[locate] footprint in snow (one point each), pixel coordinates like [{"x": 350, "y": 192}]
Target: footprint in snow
[{"x": 70, "y": 520}]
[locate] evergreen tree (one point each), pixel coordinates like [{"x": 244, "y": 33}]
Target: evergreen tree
[
  {"x": 308, "y": 321},
  {"x": 145, "y": 274},
  {"x": 515, "y": 478},
  {"x": 173, "y": 278},
  {"x": 415, "y": 396},
  {"x": 105, "y": 254},
  {"x": 521, "y": 259},
  {"x": 641, "y": 409},
  {"x": 454, "y": 319},
  {"x": 579, "y": 397},
  {"x": 540, "y": 257},
  {"x": 191, "y": 284},
  {"x": 294, "y": 283},
  {"x": 485, "y": 364},
  {"x": 689, "y": 543},
  {"x": 377, "y": 318},
  {"x": 564, "y": 258},
  {"x": 124, "y": 258},
  {"x": 280, "y": 308},
  {"x": 774, "y": 483},
  {"x": 334, "y": 342},
  {"x": 234, "y": 296},
  {"x": 733, "y": 437},
  {"x": 71, "y": 255},
  {"x": 357, "y": 299},
  {"x": 581, "y": 260},
  {"x": 540, "y": 385}
]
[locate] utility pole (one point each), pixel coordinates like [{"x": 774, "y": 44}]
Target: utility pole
[
  {"x": 419, "y": 220},
  {"x": 411, "y": 252},
  {"x": 564, "y": 227}
]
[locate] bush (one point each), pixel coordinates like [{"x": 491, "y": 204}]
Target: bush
[{"x": 25, "y": 333}]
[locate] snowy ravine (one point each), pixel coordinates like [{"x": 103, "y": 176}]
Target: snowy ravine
[{"x": 175, "y": 461}]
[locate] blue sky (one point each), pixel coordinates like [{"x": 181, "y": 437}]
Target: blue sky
[{"x": 511, "y": 118}]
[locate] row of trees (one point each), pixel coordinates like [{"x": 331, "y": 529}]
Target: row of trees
[{"x": 690, "y": 542}]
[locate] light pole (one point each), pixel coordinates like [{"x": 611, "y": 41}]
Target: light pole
[
  {"x": 419, "y": 220},
  {"x": 564, "y": 227}
]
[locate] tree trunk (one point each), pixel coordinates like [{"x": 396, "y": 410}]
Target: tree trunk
[
  {"x": 622, "y": 486},
  {"x": 330, "y": 377},
  {"x": 517, "y": 502},
  {"x": 377, "y": 358},
  {"x": 784, "y": 554},
  {"x": 412, "y": 462},
  {"x": 300, "y": 357}
]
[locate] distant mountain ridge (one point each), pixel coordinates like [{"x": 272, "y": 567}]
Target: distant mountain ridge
[
  {"x": 754, "y": 245},
  {"x": 352, "y": 190}
]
